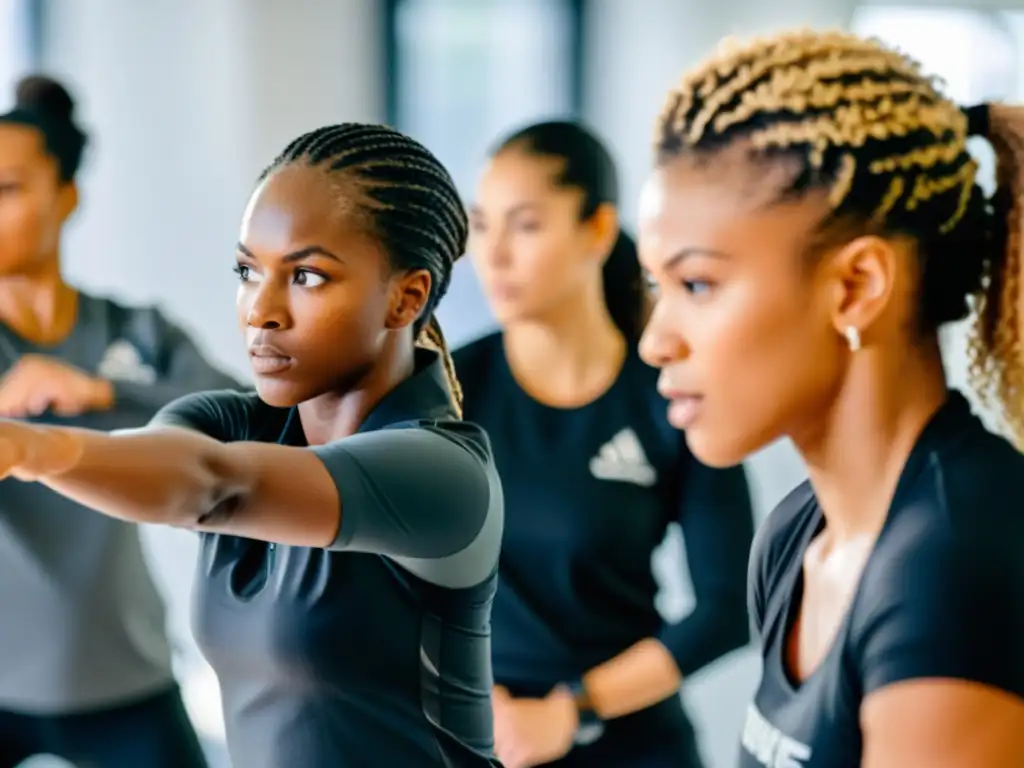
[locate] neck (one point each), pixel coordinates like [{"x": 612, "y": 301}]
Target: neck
[
  {"x": 338, "y": 414},
  {"x": 39, "y": 306},
  {"x": 569, "y": 356},
  {"x": 856, "y": 452}
]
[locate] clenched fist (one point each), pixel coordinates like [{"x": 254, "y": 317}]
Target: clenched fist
[{"x": 37, "y": 384}]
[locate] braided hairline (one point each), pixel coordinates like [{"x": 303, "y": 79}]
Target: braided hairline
[
  {"x": 827, "y": 92},
  {"x": 405, "y": 182}
]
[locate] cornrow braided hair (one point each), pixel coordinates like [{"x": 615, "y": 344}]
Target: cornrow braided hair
[
  {"x": 865, "y": 125},
  {"x": 411, "y": 201}
]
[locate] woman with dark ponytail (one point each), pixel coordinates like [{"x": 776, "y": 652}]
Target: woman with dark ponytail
[{"x": 587, "y": 673}]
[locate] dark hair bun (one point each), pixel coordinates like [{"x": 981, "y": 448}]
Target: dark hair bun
[{"x": 46, "y": 97}]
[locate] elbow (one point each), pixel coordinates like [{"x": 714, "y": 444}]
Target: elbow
[
  {"x": 216, "y": 491},
  {"x": 712, "y": 632}
]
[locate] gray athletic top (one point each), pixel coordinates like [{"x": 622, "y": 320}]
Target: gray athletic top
[
  {"x": 374, "y": 651},
  {"x": 83, "y": 624}
]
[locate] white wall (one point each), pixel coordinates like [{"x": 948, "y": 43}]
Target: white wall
[
  {"x": 187, "y": 101},
  {"x": 15, "y": 54}
]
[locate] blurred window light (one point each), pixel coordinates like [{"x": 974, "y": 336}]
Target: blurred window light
[
  {"x": 468, "y": 71},
  {"x": 16, "y": 38}
]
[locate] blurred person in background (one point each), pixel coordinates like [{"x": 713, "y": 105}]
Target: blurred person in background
[
  {"x": 587, "y": 672},
  {"x": 87, "y": 665},
  {"x": 812, "y": 221}
]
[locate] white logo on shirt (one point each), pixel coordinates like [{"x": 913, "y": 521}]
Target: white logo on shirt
[
  {"x": 122, "y": 362},
  {"x": 770, "y": 746},
  {"x": 622, "y": 458}
]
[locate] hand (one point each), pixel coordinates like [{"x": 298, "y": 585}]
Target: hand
[
  {"x": 529, "y": 732},
  {"x": 28, "y": 452},
  {"x": 37, "y": 384}
]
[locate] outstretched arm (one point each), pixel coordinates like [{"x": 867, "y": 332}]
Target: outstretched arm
[
  {"x": 423, "y": 496},
  {"x": 179, "y": 477}
]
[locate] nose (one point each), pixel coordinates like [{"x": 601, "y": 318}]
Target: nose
[
  {"x": 265, "y": 308},
  {"x": 662, "y": 342},
  {"x": 491, "y": 248}
]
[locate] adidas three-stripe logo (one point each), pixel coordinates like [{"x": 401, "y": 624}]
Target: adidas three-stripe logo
[{"x": 623, "y": 459}]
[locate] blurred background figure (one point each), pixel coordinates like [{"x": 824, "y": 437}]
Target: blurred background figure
[
  {"x": 89, "y": 676},
  {"x": 592, "y": 474},
  {"x": 187, "y": 99}
]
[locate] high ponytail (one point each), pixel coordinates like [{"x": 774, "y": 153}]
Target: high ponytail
[
  {"x": 997, "y": 358},
  {"x": 624, "y": 292}
]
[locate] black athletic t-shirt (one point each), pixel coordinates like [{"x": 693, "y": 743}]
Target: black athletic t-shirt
[
  {"x": 590, "y": 492},
  {"x": 374, "y": 651},
  {"x": 941, "y": 595}
]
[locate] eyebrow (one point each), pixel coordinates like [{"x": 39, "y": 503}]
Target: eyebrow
[
  {"x": 476, "y": 210},
  {"x": 687, "y": 253},
  {"x": 305, "y": 253}
]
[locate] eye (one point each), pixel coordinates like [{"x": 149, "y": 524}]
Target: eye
[
  {"x": 698, "y": 287},
  {"x": 527, "y": 226},
  {"x": 308, "y": 279},
  {"x": 651, "y": 285},
  {"x": 242, "y": 271}
]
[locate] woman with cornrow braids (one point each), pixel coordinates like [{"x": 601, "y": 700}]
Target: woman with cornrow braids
[
  {"x": 812, "y": 220},
  {"x": 350, "y": 520}
]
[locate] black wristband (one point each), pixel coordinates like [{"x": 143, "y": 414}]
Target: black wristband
[{"x": 590, "y": 727}]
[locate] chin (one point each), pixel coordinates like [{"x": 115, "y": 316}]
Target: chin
[
  {"x": 718, "y": 450},
  {"x": 279, "y": 394}
]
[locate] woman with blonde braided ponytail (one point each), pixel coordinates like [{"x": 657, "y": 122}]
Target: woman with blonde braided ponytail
[
  {"x": 812, "y": 220},
  {"x": 350, "y": 519}
]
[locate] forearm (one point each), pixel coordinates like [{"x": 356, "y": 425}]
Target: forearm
[
  {"x": 183, "y": 478},
  {"x": 171, "y": 476},
  {"x": 637, "y": 678},
  {"x": 718, "y": 625}
]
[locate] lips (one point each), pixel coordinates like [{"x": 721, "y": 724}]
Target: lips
[
  {"x": 684, "y": 411},
  {"x": 268, "y": 360},
  {"x": 504, "y": 291},
  {"x": 684, "y": 406}
]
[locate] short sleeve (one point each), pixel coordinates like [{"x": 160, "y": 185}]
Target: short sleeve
[
  {"x": 939, "y": 605},
  {"x": 426, "y": 497},
  {"x": 224, "y": 415}
]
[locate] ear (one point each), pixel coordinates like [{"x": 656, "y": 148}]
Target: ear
[
  {"x": 67, "y": 200},
  {"x": 604, "y": 229},
  {"x": 409, "y": 295},
  {"x": 864, "y": 273}
]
